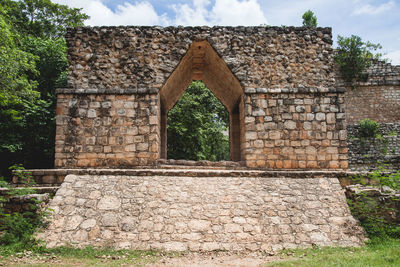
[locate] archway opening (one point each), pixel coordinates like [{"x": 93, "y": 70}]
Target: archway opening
[
  {"x": 202, "y": 63},
  {"x": 198, "y": 126}
]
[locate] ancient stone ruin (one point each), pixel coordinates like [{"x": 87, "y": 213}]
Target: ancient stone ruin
[
  {"x": 287, "y": 141},
  {"x": 377, "y": 98},
  {"x": 277, "y": 84}
]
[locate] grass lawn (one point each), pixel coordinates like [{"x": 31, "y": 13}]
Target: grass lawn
[
  {"x": 375, "y": 253},
  {"x": 89, "y": 256}
]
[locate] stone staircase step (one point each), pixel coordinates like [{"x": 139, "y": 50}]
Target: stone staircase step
[
  {"x": 37, "y": 189},
  {"x": 54, "y": 177}
]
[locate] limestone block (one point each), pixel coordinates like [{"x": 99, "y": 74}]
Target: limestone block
[
  {"x": 90, "y": 223},
  {"x": 109, "y": 203},
  {"x": 109, "y": 219},
  {"x": 233, "y": 228},
  {"x": 320, "y": 116},
  {"x": 73, "y": 222},
  {"x": 290, "y": 125},
  {"x": 91, "y": 113},
  {"x": 199, "y": 225},
  {"x": 275, "y": 135}
]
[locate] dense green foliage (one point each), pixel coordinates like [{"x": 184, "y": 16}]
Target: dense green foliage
[
  {"x": 354, "y": 56},
  {"x": 383, "y": 177},
  {"x": 32, "y": 64},
  {"x": 17, "y": 229},
  {"x": 196, "y": 126},
  {"x": 376, "y": 216},
  {"x": 42, "y": 18},
  {"x": 373, "y": 216},
  {"x": 309, "y": 19},
  {"x": 368, "y": 128}
]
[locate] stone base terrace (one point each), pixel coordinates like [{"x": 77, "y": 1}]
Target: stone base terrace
[{"x": 198, "y": 209}]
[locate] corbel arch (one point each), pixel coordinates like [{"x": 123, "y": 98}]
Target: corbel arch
[{"x": 201, "y": 62}]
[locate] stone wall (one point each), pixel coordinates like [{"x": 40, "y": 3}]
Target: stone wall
[
  {"x": 369, "y": 153},
  {"x": 114, "y": 129},
  {"x": 143, "y": 58},
  {"x": 170, "y": 212},
  {"x": 382, "y": 73},
  {"x": 291, "y": 67},
  {"x": 378, "y": 97},
  {"x": 379, "y": 103},
  {"x": 286, "y": 129}
]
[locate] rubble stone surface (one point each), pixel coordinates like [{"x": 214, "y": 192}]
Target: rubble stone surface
[{"x": 201, "y": 213}]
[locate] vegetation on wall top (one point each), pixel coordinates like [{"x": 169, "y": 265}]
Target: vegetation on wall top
[
  {"x": 309, "y": 19},
  {"x": 354, "y": 56}
]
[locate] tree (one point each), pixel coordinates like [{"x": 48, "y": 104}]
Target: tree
[
  {"x": 17, "y": 90},
  {"x": 354, "y": 56},
  {"x": 51, "y": 62},
  {"x": 309, "y": 19},
  {"x": 197, "y": 126},
  {"x": 33, "y": 64},
  {"x": 16, "y": 65},
  {"x": 42, "y": 18}
]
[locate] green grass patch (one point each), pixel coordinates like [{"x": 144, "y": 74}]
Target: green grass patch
[
  {"x": 377, "y": 252},
  {"x": 88, "y": 256}
]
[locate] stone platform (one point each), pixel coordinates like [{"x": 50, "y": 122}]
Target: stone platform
[{"x": 198, "y": 209}]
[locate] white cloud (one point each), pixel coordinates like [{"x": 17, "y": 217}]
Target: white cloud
[
  {"x": 373, "y": 10},
  {"x": 140, "y": 13},
  {"x": 234, "y": 12},
  {"x": 394, "y": 57},
  {"x": 224, "y": 12},
  {"x": 185, "y": 15}
]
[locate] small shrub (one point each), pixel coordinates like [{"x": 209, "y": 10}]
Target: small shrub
[
  {"x": 368, "y": 128},
  {"x": 353, "y": 57},
  {"x": 17, "y": 229},
  {"x": 372, "y": 216},
  {"x": 376, "y": 215},
  {"x": 383, "y": 177}
]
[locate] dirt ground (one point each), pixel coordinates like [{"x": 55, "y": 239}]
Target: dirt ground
[
  {"x": 221, "y": 259},
  {"x": 214, "y": 259}
]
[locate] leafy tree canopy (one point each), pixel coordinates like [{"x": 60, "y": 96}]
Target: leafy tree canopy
[
  {"x": 33, "y": 63},
  {"x": 309, "y": 19},
  {"x": 16, "y": 65},
  {"x": 197, "y": 126},
  {"x": 17, "y": 89},
  {"x": 42, "y": 18},
  {"x": 354, "y": 56},
  {"x": 51, "y": 62}
]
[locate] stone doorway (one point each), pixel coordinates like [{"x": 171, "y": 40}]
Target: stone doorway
[
  {"x": 201, "y": 62},
  {"x": 198, "y": 127}
]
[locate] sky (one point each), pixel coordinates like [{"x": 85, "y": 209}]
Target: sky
[{"x": 377, "y": 21}]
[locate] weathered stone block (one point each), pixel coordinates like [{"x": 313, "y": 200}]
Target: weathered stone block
[{"x": 109, "y": 203}]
